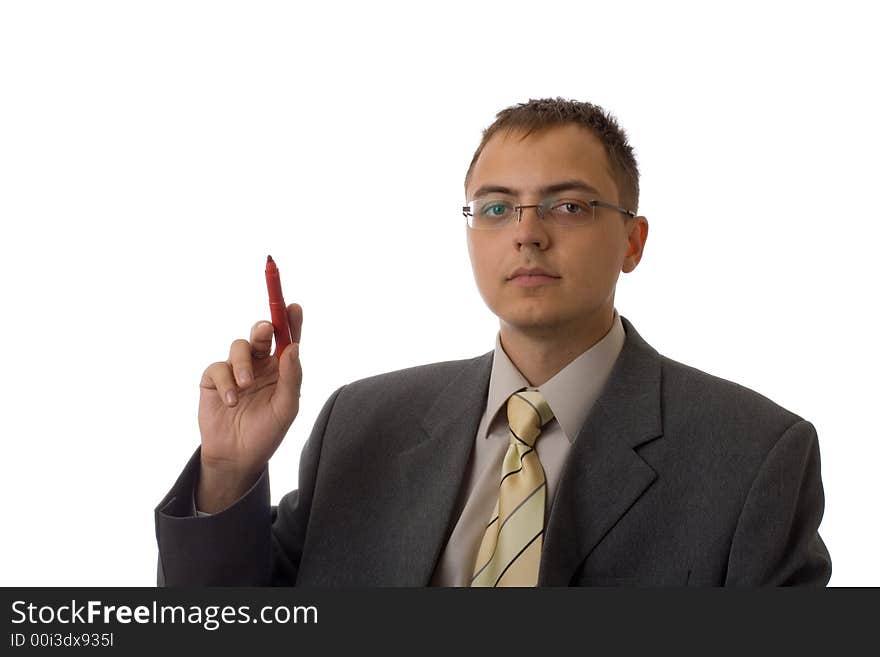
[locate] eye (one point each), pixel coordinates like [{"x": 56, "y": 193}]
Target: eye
[
  {"x": 494, "y": 209},
  {"x": 570, "y": 207}
]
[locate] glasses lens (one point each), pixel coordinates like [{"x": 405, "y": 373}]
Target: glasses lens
[
  {"x": 570, "y": 211},
  {"x": 498, "y": 212},
  {"x": 490, "y": 213}
]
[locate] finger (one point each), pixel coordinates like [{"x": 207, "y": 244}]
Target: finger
[
  {"x": 285, "y": 398},
  {"x": 218, "y": 376},
  {"x": 241, "y": 362},
  {"x": 295, "y": 319},
  {"x": 261, "y": 339}
]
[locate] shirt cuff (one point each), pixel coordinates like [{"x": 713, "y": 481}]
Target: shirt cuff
[{"x": 196, "y": 512}]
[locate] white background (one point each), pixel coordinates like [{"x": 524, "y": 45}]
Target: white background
[{"x": 153, "y": 153}]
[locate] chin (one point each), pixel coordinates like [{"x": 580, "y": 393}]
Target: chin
[{"x": 531, "y": 321}]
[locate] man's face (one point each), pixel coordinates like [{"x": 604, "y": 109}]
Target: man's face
[{"x": 587, "y": 258}]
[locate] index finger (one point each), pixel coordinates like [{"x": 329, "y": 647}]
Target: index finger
[{"x": 295, "y": 321}]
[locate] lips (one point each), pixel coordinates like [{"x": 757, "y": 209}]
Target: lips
[
  {"x": 531, "y": 271},
  {"x": 532, "y": 277},
  {"x": 533, "y": 281}
]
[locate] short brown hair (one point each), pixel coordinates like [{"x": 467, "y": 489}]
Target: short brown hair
[{"x": 538, "y": 114}]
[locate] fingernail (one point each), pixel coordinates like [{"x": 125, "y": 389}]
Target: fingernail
[
  {"x": 230, "y": 397},
  {"x": 244, "y": 378}
]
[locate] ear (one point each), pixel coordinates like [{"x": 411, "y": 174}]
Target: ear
[{"x": 637, "y": 235}]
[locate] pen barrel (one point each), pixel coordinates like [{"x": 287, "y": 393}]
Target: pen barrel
[
  {"x": 277, "y": 308},
  {"x": 278, "y": 311}
]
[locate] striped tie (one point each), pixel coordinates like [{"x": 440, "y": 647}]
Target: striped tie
[{"x": 510, "y": 553}]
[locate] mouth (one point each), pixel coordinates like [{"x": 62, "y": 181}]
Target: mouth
[
  {"x": 533, "y": 280},
  {"x": 531, "y": 271}
]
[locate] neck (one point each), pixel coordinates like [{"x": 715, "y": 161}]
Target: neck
[{"x": 539, "y": 353}]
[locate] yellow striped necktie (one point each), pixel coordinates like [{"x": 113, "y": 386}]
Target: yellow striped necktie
[{"x": 510, "y": 553}]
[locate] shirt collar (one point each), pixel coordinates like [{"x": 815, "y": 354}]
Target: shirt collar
[{"x": 572, "y": 391}]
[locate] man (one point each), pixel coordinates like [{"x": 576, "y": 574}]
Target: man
[{"x": 571, "y": 454}]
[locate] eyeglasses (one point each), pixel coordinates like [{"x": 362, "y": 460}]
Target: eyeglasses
[{"x": 492, "y": 213}]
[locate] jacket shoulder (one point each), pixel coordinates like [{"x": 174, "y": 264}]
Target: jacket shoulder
[
  {"x": 703, "y": 399},
  {"x": 413, "y": 388}
]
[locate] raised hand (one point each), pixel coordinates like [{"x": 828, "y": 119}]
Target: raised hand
[{"x": 247, "y": 404}]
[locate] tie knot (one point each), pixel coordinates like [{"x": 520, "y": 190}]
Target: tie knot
[{"x": 527, "y": 413}]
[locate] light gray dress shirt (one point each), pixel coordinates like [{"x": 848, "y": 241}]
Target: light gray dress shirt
[{"x": 570, "y": 394}]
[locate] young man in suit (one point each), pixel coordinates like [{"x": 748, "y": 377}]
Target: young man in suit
[{"x": 572, "y": 454}]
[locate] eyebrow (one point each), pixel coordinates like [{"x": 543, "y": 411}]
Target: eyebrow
[{"x": 562, "y": 186}]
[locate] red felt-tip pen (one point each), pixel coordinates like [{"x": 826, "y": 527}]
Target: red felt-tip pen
[{"x": 277, "y": 307}]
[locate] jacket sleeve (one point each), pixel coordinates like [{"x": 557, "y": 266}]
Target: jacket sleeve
[
  {"x": 250, "y": 543},
  {"x": 777, "y": 542}
]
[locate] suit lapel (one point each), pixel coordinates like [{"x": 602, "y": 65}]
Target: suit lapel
[
  {"x": 603, "y": 475},
  {"x": 433, "y": 471}
]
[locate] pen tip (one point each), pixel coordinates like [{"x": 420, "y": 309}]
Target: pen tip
[{"x": 269, "y": 259}]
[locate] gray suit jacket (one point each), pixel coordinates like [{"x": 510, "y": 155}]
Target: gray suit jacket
[{"x": 676, "y": 478}]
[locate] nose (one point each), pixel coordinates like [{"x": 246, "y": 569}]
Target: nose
[{"x": 530, "y": 228}]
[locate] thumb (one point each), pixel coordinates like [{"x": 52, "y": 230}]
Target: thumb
[{"x": 287, "y": 390}]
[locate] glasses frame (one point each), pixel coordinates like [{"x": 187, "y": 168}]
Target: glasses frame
[{"x": 540, "y": 209}]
